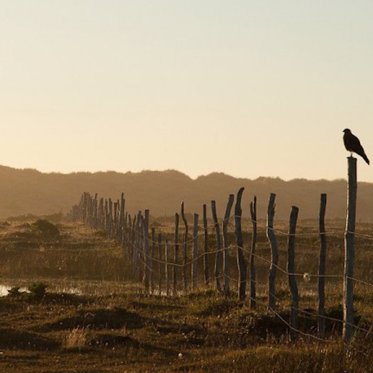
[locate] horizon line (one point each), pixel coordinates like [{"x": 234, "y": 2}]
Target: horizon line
[{"x": 171, "y": 170}]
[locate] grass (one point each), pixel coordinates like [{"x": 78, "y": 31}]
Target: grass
[{"x": 90, "y": 318}]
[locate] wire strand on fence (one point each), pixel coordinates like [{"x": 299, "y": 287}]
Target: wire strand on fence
[{"x": 284, "y": 271}]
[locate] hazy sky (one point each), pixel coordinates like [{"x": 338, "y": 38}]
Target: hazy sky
[{"x": 249, "y": 88}]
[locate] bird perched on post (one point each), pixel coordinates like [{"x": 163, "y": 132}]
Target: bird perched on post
[{"x": 352, "y": 144}]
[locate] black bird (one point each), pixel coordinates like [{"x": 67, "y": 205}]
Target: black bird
[{"x": 352, "y": 144}]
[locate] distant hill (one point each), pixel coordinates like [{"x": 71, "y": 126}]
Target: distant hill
[{"x": 32, "y": 192}]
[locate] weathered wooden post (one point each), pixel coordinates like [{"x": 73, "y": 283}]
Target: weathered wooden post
[
  {"x": 321, "y": 279},
  {"x": 81, "y": 208},
  {"x": 106, "y": 217},
  {"x": 206, "y": 247},
  {"x": 274, "y": 252},
  {"x": 84, "y": 208},
  {"x": 151, "y": 262},
  {"x": 176, "y": 255},
  {"x": 122, "y": 220},
  {"x": 291, "y": 269},
  {"x": 115, "y": 224},
  {"x": 133, "y": 243},
  {"x": 160, "y": 258},
  {"x": 166, "y": 271},
  {"x": 101, "y": 217},
  {"x": 139, "y": 245},
  {"x": 146, "y": 251},
  {"x": 228, "y": 209},
  {"x": 95, "y": 212},
  {"x": 241, "y": 263},
  {"x": 348, "y": 286},
  {"x": 125, "y": 227},
  {"x": 185, "y": 248},
  {"x": 252, "y": 254},
  {"x": 110, "y": 217},
  {"x": 195, "y": 252},
  {"x": 128, "y": 239},
  {"x": 218, "y": 254}
]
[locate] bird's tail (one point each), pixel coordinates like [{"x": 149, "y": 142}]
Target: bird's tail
[{"x": 365, "y": 158}]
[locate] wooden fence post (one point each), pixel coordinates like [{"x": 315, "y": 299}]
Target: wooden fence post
[
  {"x": 274, "y": 252},
  {"x": 226, "y": 244},
  {"x": 195, "y": 252},
  {"x": 176, "y": 255},
  {"x": 321, "y": 280},
  {"x": 101, "y": 218},
  {"x": 125, "y": 227},
  {"x": 160, "y": 257},
  {"x": 128, "y": 242},
  {"x": 106, "y": 217},
  {"x": 95, "y": 212},
  {"x": 185, "y": 248},
  {"x": 122, "y": 220},
  {"x": 206, "y": 247},
  {"x": 239, "y": 240},
  {"x": 139, "y": 245},
  {"x": 291, "y": 270},
  {"x": 115, "y": 225},
  {"x": 147, "y": 268},
  {"x": 151, "y": 262},
  {"x": 166, "y": 272},
  {"x": 252, "y": 255},
  {"x": 133, "y": 244},
  {"x": 348, "y": 286},
  {"x": 218, "y": 254},
  {"x": 110, "y": 221}
]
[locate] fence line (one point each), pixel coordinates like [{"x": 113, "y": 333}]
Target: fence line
[{"x": 150, "y": 257}]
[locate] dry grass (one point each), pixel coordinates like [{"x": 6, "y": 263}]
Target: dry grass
[
  {"x": 76, "y": 338},
  {"x": 108, "y": 326}
]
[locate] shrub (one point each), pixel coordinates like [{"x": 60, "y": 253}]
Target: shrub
[
  {"x": 37, "y": 289},
  {"x": 45, "y": 228},
  {"x": 14, "y": 291}
]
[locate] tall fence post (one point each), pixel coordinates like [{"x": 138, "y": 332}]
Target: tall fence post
[
  {"x": 166, "y": 268},
  {"x": 291, "y": 270},
  {"x": 122, "y": 220},
  {"x": 146, "y": 257},
  {"x": 195, "y": 252},
  {"x": 206, "y": 247},
  {"x": 110, "y": 217},
  {"x": 218, "y": 256},
  {"x": 176, "y": 255},
  {"x": 160, "y": 258},
  {"x": 95, "y": 212},
  {"x": 139, "y": 245},
  {"x": 274, "y": 252},
  {"x": 151, "y": 263},
  {"x": 252, "y": 254},
  {"x": 322, "y": 263},
  {"x": 185, "y": 248},
  {"x": 228, "y": 209},
  {"x": 348, "y": 287},
  {"x": 241, "y": 263},
  {"x": 115, "y": 221}
]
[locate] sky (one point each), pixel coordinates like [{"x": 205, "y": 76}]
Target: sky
[{"x": 248, "y": 88}]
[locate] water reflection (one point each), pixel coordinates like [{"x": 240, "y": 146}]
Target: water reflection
[{"x": 67, "y": 290}]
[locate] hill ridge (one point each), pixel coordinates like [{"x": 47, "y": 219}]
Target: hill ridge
[{"x": 24, "y": 191}]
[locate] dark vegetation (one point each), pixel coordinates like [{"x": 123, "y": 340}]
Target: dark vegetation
[{"x": 72, "y": 308}]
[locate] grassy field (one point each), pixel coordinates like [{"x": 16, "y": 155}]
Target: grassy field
[{"x": 93, "y": 318}]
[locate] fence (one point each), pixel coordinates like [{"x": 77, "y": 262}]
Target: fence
[{"x": 168, "y": 265}]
